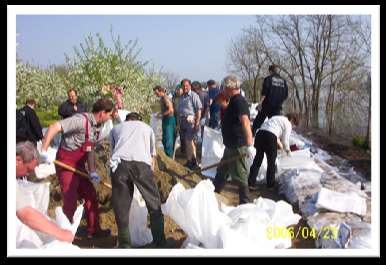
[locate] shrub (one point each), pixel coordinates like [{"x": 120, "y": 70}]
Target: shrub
[{"x": 360, "y": 141}]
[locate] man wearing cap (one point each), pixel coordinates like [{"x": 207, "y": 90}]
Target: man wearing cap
[{"x": 76, "y": 148}]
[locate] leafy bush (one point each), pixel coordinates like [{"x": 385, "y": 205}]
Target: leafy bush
[
  {"x": 360, "y": 141},
  {"x": 47, "y": 117}
]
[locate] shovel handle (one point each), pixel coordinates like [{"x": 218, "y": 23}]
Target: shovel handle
[
  {"x": 222, "y": 162},
  {"x": 77, "y": 171}
]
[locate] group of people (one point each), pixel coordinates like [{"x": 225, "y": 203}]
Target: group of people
[
  {"x": 187, "y": 113},
  {"x": 132, "y": 146},
  {"x": 133, "y": 150},
  {"x": 238, "y": 134},
  {"x": 229, "y": 111}
]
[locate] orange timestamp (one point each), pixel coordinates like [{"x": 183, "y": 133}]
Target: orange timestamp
[{"x": 305, "y": 232}]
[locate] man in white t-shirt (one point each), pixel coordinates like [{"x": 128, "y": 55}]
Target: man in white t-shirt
[
  {"x": 132, "y": 147},
  {"x": 27, "y": 158}
]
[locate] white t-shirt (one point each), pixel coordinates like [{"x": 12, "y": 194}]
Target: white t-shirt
[
  {"x": 279, "y": 126},
  {"x": 23, "y": 198},
  {"x": 133, "y": 141}
]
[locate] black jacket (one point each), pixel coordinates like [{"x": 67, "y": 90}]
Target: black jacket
[
  {"x": 67, "y": 109},
  {"x": 34, "y": 129},
  {"x": 275, "y": 90}
]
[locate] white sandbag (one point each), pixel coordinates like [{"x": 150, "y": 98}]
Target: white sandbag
[
  {"x": 140, "y": 234},
  {"x": 361, "y": 235},
  {"x": 38, "y": 194},
  {"x": 253, "y": 111},
  {"x": 331, "y": 229},
  {"x": 156, "y": 125},
  {"x": 294, "y": 140},
  {"x": 297, "y": 184},
  {"x": 63, "y": 222},
  {"x": 105, "y": 131},
  {"x": 300, "y": 159},
  {"x": 122, "y": 115},
  {"x": 250, "y": 224},
  {"x": 44, "y": 170},
  {"x": 341, "y": 202},
  {"x": 61, "y": 245},
  {"x": 196, "y": 212},
  {"x": 209, "y": 225},
  {"x": 212, "y": 150}
]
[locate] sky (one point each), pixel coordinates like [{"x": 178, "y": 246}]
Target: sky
[{"x": 190, "y": 46}]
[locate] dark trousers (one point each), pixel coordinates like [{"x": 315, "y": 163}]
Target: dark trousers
[
  {"x": 123, "y": 179},
  {"x": 260, "y": 118},
  {"x": 265, "y": 142},
  {"x": 237, "y": 170}
]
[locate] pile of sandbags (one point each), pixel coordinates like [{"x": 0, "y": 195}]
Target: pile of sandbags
[
  {"x": 210, "y": 225},
  {"x": 333, "y": 207}
]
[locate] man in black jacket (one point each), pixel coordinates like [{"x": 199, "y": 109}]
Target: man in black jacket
[
  {"x": 275, "y": 91},
  {"x": 33, "y": 129},
  {"x": 72, "y": 105}
]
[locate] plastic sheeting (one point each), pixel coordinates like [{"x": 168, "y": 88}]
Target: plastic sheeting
[
  {"x": 207, "y": 225},
  {"x": 105, "y": 131},
  {"x": 44, "y": 170},
  {"x": 212, "y": 150},
  {"x": 156, "y": 125},
  {"x": 38, "y": 193},
  {"x": 140, "y": 234},
  {"x": 252, "y": 111},
  {"x": 341, "y": 202}
]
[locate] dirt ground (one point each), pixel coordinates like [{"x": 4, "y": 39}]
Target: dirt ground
[
  {"x": 342, "y": 147},
  {"x": 166, "y": 174}
]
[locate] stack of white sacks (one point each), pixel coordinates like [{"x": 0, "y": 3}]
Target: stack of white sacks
[
  {"x": 210, "y": 225},
  {"x": 307, "y": 180}
]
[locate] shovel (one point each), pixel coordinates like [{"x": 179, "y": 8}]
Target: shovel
[
  {"x": 222, "y": 162},
  {"x": 77, "y": 171}
]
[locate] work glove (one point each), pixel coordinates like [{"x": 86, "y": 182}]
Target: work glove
[
  {"x": 94, "y": 178},
  {"x": 113, "y": 164},
  {"x": 190, "y": 119},
  {"x": 45, "y": 158},
  {"x": 251, "y": 151}
]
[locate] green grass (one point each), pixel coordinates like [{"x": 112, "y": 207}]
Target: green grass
[{"x": 48, "y": 117}]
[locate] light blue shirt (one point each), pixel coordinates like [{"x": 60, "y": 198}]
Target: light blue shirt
[
  {"x": 132, "y": 141},
  {"x": 189, "y": 104}
]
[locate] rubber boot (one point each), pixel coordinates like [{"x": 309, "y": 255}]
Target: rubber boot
[
  {"x": 157, "y": 229},
  {"x": 123, "y": 238},
  {"x": 243, "y": 193}
]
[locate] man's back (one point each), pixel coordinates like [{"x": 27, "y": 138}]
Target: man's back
[
  {"x": 132, "y": 141},
  {"x": 275, "y": 90},
  {"x": 33, "y": 128}
]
